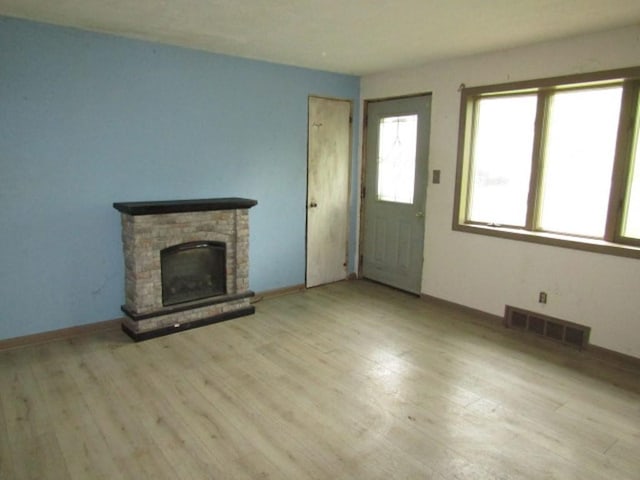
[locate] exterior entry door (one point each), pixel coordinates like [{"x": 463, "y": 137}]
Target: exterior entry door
[
  {"x": 328, "y": 158},
  {"x": 396, "y": 174}
]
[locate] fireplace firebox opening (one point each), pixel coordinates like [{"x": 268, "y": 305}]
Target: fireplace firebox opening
[{"x": 193, "y": 271}]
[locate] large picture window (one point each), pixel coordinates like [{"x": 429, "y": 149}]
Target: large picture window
[{"x": 554, "y": 161}]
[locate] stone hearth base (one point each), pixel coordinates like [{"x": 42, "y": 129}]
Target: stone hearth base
[{"x": 184, "y": 317}]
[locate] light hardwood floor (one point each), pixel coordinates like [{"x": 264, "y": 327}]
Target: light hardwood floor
[{"x": 347, "y": 381}]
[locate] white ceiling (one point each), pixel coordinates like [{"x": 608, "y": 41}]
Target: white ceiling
[{"x": 348, "y": 36}]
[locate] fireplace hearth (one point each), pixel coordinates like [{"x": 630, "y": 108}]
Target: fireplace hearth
[{"x": 186, "y": 264}]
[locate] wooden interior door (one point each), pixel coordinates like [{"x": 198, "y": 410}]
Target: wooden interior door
[
  {"x": 395, "y": 191},
  {"x": 329, "y": 145}
]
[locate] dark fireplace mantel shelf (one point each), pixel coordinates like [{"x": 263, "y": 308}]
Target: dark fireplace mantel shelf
[{"x": 182, "y": 206}]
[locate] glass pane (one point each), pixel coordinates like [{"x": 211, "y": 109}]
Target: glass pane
[
  {"x": 501, "y": 160},
  {"x": 397, "y": 158},
  {"x": 578, "y": 160},
  {"x": 631, "y": 226}
]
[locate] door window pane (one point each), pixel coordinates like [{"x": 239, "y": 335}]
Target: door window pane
[
  {"x": 501, "y": 159},
  {"x": 578, "y": 160},
  {"x": 631, "y": 225},
  {"x": 397, "y": 158}
]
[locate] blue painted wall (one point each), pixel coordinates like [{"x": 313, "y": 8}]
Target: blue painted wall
[{"x": 89, "y": 119}]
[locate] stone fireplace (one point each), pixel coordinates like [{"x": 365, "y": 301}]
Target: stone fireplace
[{"x": 186, "y": 264}]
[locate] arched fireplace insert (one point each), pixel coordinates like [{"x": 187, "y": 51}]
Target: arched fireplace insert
[{"x": 193, "y": 271}]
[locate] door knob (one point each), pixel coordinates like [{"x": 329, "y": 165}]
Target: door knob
[
  {"x": 420, "y": 214},
  {"x": 313, "y": 205}
]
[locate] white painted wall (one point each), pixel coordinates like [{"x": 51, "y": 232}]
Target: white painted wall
[{"x": 487, "y": 273}]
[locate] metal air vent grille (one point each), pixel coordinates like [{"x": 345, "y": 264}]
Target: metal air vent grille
[{"x": 548, "y": 327}]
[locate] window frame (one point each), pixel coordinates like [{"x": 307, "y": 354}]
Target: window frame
[{"x": 614, "y": 242}]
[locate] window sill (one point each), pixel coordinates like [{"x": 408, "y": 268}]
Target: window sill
[{"x": 556, "y": 240}]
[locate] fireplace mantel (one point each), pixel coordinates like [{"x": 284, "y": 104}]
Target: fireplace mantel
[{"x": 182, "y": 206}]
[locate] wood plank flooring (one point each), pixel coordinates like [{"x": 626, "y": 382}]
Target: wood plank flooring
[{"x": 347, "y": 381}]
